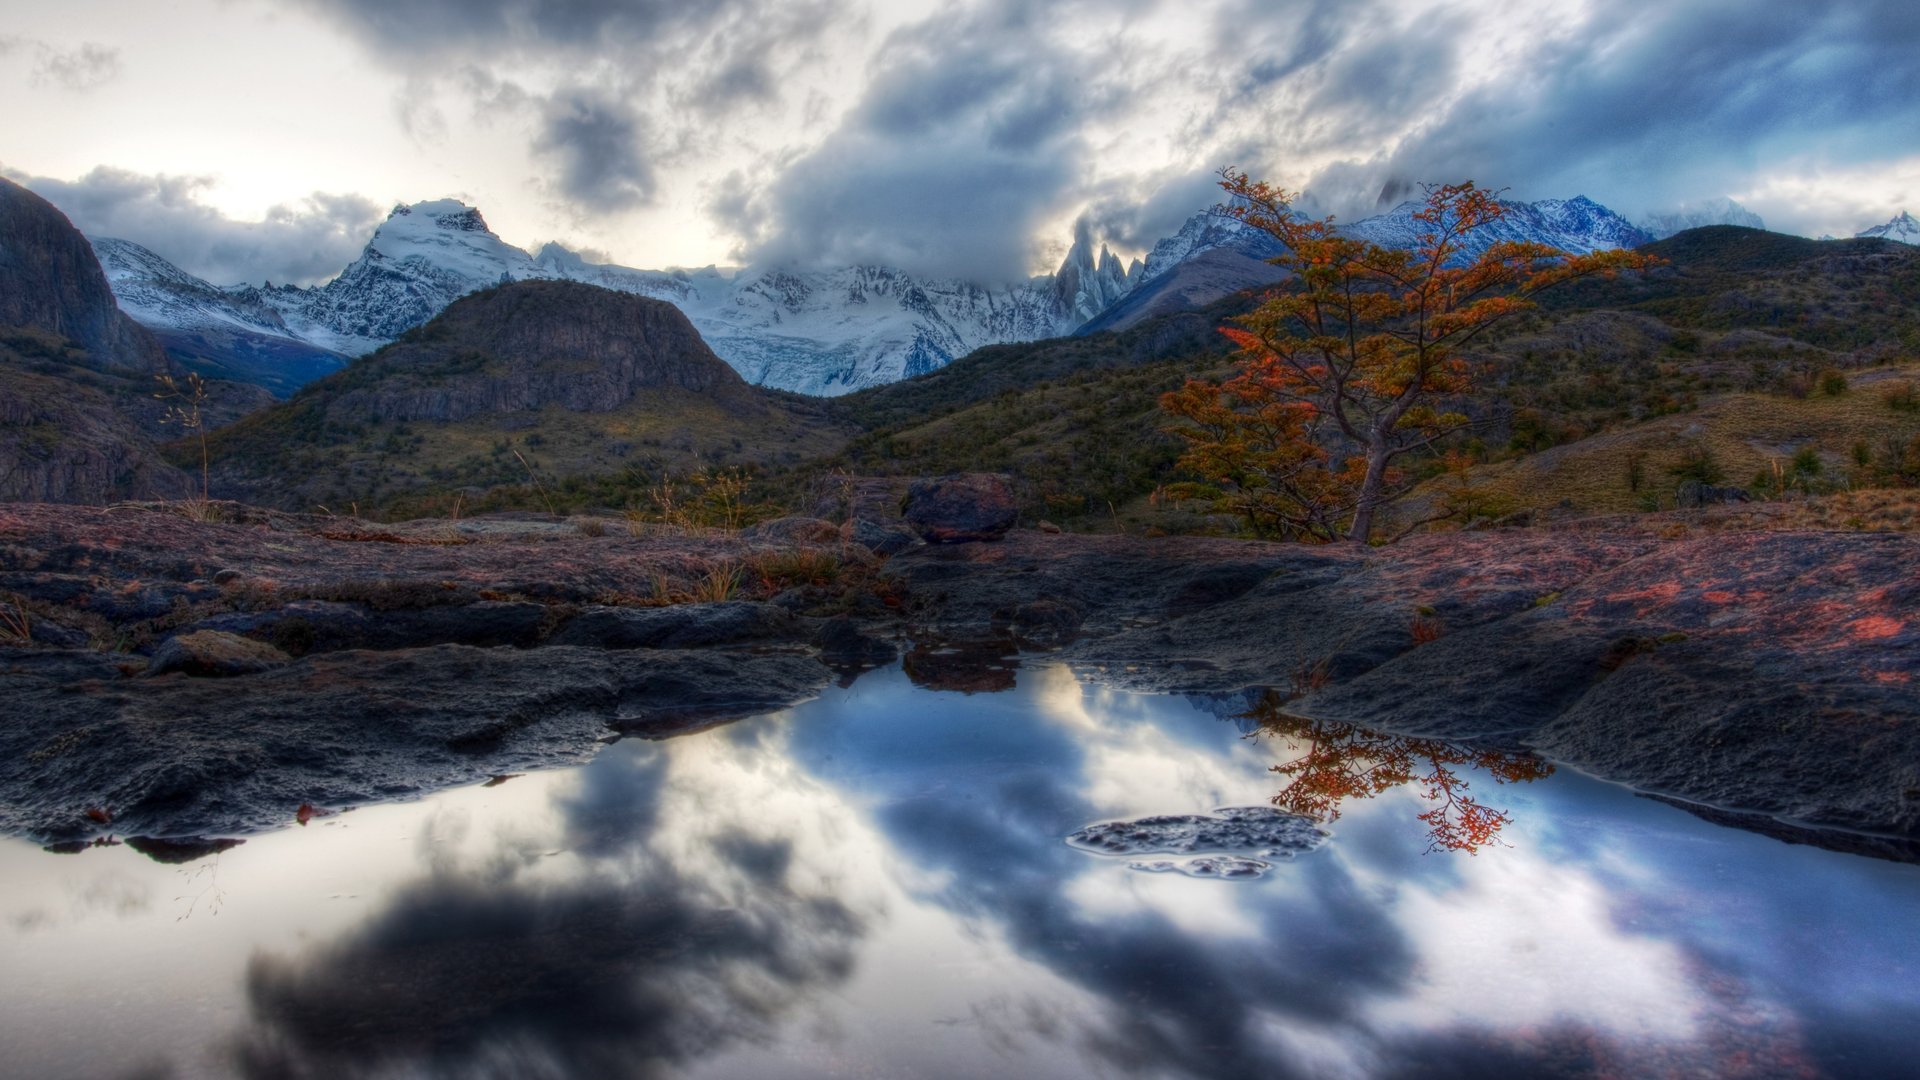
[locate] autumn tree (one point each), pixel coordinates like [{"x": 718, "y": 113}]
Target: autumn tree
[{"x": 1348, "y": 367}]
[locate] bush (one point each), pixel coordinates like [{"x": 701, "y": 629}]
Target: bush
[
  {"x": 1832, "y": 383},
  {"x": 1901, "y": 396}
]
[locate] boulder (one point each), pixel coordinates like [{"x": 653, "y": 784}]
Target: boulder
[
  {"x": 215, "y": 654},
  {"x": 967, "y": 506}
]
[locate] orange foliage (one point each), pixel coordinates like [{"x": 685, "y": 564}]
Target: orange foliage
[
  {"x": 1345, "y": 762},
  {"x": 1346, "y": 367}
]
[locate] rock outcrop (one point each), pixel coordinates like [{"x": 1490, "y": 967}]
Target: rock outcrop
[
  {"x": 50, "y": 280},
  {"x": 531, "y": 344}
]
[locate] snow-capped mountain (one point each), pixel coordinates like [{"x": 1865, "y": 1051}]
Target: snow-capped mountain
[
  {"x": 1902, "y": 228},
  {"x": 815, "y": 331},
  {"x": 1215, "y": 254},
  {"x": 1206, "y": 231},
  {"x": 1577, "y": 226},
  {"x": 1722, "y": 211},
  {"x": 219, "y": 332}
]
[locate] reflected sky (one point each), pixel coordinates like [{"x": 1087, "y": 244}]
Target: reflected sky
[{"x": 877, "y": 884}]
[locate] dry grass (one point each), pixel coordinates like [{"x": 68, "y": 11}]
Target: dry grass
[
  {"x": 1748, "y": 435},
  {"x": 16, "y": 624},
  {"x": 802, "y": 566}
]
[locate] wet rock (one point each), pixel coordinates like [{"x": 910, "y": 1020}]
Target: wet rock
[
  {"x": 1254, "y": 830},
  {"x": 1224, "y": 867},
  {"x": 681, "y": 626},
  {"x": 968, "y": 506},
  {"x": 200, "y": 757},
  {"x": 877, "y": 538},
  {"x": 182, "y": 849},
  {"x": 845, "y": 647},
  {"x": 214, "y": 654},
  {"x": 970, "y": 667},
  {"x": 1044, "y": 624}
]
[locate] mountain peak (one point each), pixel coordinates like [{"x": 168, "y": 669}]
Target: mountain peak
[
  {"x": 1901, "y": 228},
  {"x": 439, "y": 214},
  {"x": 1720, "y": 211}
]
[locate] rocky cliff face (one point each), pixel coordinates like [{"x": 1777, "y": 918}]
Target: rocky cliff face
[
  {"x": 531, "y": 344},
  {"x": 50, "y": 280}
]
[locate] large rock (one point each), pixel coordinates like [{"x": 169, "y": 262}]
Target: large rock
[
  {"x": 215, "y": 654},
  {"x": 50, "y": 280},
  {"x": 968, "y": 506}
]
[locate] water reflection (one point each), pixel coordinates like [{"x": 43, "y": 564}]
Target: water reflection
[
  {"x": 1345, "y": 762},
  {"x": 876, "y": 884}
]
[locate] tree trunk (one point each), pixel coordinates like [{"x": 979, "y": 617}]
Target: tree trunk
[{"x": 1370, "y": 488}]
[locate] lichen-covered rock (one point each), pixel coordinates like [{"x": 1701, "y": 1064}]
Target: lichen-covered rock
[
  {"x": 967, "y": 506},
  {"x": 215, "y": 654}
]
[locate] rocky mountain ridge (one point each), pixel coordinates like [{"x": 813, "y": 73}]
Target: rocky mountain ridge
[
  {"x": 1903, "y": 228},
  {"x": 815, "y": 331}
]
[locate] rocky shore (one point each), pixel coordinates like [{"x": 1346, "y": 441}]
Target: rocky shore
[{"x": 166, "y": 677}]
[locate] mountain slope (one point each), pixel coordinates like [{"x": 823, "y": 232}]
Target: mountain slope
[
  {"x": 74, "y": 370},
  {"x": 540, "y": 379},
  {"x": 216, "y": 332},
  {"x": 50, "y": 279},
  {"x": 1713, "y": 212},
  {"x": 1577, "y": 226},
  {"x": 821, "y": 331},
  {"x": 1902, "y": 228}
]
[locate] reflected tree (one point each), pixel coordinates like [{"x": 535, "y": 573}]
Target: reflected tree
[{"x": 1344, "y": 761}]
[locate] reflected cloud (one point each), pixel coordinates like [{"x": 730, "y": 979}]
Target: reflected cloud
[
  {"x": 619, "y": 959},
  {"x": 1345, "y": 762}
]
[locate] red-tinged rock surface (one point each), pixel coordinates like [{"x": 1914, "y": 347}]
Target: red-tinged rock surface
[
  {"x": 1762, "y": 673},
  {"x": 1771, "y": 672}
]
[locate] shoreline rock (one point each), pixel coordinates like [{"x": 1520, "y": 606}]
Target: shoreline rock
[{"x": 1759, "y": 673}]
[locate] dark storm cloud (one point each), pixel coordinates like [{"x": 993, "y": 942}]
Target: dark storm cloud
[
  {"x": 968, "y": 135},
  {"x": 598, "y": 142},
  {"x": 301, "y": 243},
  {"x": 604, "y": 131},
  {"x": 1676, "y": 103}
]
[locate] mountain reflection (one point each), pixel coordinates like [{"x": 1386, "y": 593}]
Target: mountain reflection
[{"x": 1345, "y": 761}]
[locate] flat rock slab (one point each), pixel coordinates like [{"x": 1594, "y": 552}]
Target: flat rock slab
[{"x": 182, "y": 756}]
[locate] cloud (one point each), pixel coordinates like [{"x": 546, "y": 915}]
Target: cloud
[
  {"x": 600, "y": 145},
  {"x": 610, "y": 89},
  {"x": 304, "y": 242},
  {"x": 969, "y": 134},
  {"x": 87, "y": 67},
  {"x": 1688, "y": 101}
]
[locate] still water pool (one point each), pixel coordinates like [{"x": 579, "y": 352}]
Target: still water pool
[{"x": 879, "y": 884}]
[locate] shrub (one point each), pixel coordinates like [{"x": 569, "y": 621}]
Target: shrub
[
  {"x": 1901, "y": 396},
  {"x": 1832, "y": 383}
]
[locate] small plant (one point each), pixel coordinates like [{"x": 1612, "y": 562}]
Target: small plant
[
  {"x": 1308, "y": 678},
  {"x": 1636, "y": 469},
  {"x": 537, "y": 485},
  {"x": 184, "y": 412},
  {"x": 720, "y": 582},
  {"x": 1697, "y": 462},
  {"x": 588, "y": 526},
  {"x": 1901, "y": 396},
  {"x": 1832, "y": 383},
  {"x": 1427, "y": 630},
  {"x": 16, "y": 626},
  {"x": 784, "y": 569}
]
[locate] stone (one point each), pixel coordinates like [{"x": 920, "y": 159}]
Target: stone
[
  {"x": 215, "y": 654},
  {"x": 963, "y": 507}
]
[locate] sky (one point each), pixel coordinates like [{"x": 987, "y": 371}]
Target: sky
[{"x": 264, "y": 139}]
